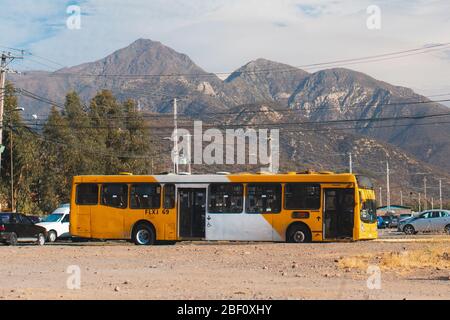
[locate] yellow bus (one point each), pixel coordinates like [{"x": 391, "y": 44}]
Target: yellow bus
[{"x": 291, "y": 207}]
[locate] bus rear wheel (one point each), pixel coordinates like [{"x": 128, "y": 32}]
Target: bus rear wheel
[
  {"x": 144, "y": 235},
  {"x": 299, "y": 234}
]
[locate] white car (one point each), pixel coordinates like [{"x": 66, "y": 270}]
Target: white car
[{"x": 57, "y": 223}]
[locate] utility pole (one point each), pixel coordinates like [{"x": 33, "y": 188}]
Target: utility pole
[
  {"x": 425, "y": 192},
  {"x": 271, "y": 153},
  {"x": 350, "y": 162},
  {"x": 187, "y": 157},
  {"x": 2, "y": 100},
  {"x": 6, "y": 58},
  {"x": 11, "y": 134},
  {"x": 13, "y": 209},
  {"x": 388, "y": 187},
  {"x": 401, "y": 198},
  {"x": 440, "y": 193},
  {"x": 175, "y": 141},
  {"x": 381, "y": 197},
  {"x": 420, "y": 203},
  {"x": 432, "y": 203}
]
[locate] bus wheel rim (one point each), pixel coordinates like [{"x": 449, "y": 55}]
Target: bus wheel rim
[
  {"x": 299, "y": 236},
  {"x": 143, "y": 236}
]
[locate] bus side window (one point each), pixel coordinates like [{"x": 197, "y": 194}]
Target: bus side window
[
  {"x": 264, "y": 198},
  {"x": 145, "y": 196},
  {"x": 87, "y": 194},
  {"x": 226, "y": 198},
  {"x": 169, "y": 196},
  {"x": 115, "y": 195},
  {"x": 302, "y": 196}
]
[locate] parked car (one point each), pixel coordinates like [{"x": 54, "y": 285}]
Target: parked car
[
  {"x": 390, "y": 221},
  {"x": 35, "y": 219},
  {"x": 403, "y": 217},
  {"x": 57, "y": 223},
  {"x": 381, "y": 223},
  {"x": 427, "y": 221},
  {"x": 16, "y": 227}
]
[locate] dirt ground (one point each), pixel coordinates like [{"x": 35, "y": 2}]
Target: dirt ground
[{"x": 201, "y": 270}]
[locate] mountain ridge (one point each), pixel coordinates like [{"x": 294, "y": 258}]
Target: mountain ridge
[{"x": 330, "y": 94}]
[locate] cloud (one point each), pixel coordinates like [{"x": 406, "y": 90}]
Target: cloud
[{"x": 221, "y": 35}]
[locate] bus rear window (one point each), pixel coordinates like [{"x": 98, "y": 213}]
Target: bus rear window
[
  {"x": 364, "y": 182},
  {"x": 145, "y": 196},
  {"x": 87, "y": 194},
  {"x": 115, "y": 195}
]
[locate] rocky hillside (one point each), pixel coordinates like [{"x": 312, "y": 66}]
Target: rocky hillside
[{"x": 153, "y": 74}]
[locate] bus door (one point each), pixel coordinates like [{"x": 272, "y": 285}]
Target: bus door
[
  {"x": 192, "y": 213},
  {"x": 338, "y": 215}
]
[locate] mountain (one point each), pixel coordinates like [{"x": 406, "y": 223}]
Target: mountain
[
  {"x": 332, "y": 94},
  {"x": 265, "y": 80},
  {"x": 321, "y": 149},
  {"x": 338, "y": 94},
  {"x": 132, "y": 72}
]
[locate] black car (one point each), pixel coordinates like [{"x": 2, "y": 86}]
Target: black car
[
  {"x": 15, "y": 227},
  {"x": 35, "y": 219}
]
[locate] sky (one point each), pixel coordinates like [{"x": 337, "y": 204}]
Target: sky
[{"x": 222, "y": 35}]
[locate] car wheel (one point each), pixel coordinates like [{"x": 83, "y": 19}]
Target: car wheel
[
  {"x": 144, "y": 235},
  {"x": 447, "y": 229},
  {"x": 299, "y": 234},
  {"x": 409, "y": 229},
  {"x": 51, "y": 236},
  {"x": 41, "y": 239},
  {"x": 12, "y": 239}
]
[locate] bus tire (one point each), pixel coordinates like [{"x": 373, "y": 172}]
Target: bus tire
[
  {"x": 298, "y": 233},
  {"x": 144, "y": 235}
]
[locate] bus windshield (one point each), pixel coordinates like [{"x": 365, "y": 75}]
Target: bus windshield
[{"x": 369, "y": 211}]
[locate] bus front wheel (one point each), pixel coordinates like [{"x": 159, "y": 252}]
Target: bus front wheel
[
  {"x": 144, "y": 235},
  {"x": 299, "y": 233}
]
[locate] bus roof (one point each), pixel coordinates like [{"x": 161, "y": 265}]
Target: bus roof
[{"x": 212, "y": 178}]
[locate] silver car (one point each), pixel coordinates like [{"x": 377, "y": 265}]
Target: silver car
[{"x": 427, "y": 221}]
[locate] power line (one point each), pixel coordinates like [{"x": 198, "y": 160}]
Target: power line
[
  {"x": 59, "y": 105},
  {"x": 283, "y": 125},
  {"x": 373, "y": 58}
]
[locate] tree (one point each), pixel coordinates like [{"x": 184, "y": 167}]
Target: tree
[{"x": 26, "y": 159}]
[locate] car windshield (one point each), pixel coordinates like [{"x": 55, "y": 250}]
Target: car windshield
[{"x": 54, "y": 217}]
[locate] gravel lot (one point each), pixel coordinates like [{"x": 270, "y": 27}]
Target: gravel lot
[{"x": 201, "y": 270}]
